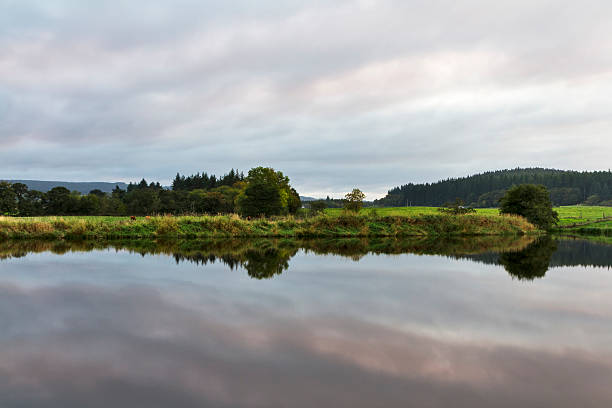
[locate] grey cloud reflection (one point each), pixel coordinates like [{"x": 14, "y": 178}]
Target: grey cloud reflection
[{"x": 77, "y": 345}]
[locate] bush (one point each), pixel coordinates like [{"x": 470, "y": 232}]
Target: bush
[
  {"x": 79, "y": 227},
  {"x": 166, "y": 225},
  {"x": 317, "y": 207},
  {"x": 456, "y": 208},
  {"x": 532, "y": 202}
]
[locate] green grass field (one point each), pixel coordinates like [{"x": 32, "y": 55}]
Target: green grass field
[
  {"x": 409, "y": 211},
  {"x": 579, "y": 214},
  {"x": 568, "y": 215}
]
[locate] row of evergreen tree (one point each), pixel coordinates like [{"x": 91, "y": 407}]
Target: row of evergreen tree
[
  {"x": 485, "y": 190},
  {"x": 205, "y": 182}
]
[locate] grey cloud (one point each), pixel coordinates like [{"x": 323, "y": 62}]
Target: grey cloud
[{"x": 332, "y": 94}]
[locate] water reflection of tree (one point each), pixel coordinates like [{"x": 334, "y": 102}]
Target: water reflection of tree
[
  {"x": 523, "y": 257},
  {"x": 267, "y": 263},
  {"x": 261, "y": 261},
  {"x": 531, "y": 262}
]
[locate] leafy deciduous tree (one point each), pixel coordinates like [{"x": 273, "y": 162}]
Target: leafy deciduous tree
[
  {"x": 8, "y": 199},
  {"x": 353, "y": 201},
  {"x": 267, "y": 192},
  {"x": 532, "y": 202}
]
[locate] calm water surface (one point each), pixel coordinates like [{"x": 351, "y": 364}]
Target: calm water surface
[{"x": 291, "y": 328}]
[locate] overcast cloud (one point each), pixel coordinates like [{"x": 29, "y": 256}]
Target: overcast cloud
[{"x": 342, "y": 94}]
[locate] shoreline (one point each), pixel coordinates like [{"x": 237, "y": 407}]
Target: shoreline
[{"x": 232, "y": 226}]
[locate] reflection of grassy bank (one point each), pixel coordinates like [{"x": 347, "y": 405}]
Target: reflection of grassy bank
[
  {"x": 357, "y": 247},
  {"x": 592, "y": 231},
  {"x": 525, "y": 257},
  {"x": 191, "y": 227},
  {"x": 597, "y": 238},
  {"x": 238, "y": 249}
]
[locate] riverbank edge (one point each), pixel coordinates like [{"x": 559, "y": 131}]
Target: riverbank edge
[
  {"x": 232, "y": 226},
  {"x": 585, "y": 231}
]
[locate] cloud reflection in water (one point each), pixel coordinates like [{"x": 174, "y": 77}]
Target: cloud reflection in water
[{"x": 284, "y": 342}]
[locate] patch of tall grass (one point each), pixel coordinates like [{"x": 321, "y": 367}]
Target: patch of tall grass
[{"x": 344, "y": 225}]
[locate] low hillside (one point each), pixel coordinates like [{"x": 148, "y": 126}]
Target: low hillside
[{"x": 485, "y": 190}]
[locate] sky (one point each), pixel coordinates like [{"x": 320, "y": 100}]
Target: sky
[{"x": 335, "y": 94}]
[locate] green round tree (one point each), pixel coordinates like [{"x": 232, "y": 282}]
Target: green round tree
[
  {"x": 267, "y": 192},
  {"x": 532, "y": 202}
]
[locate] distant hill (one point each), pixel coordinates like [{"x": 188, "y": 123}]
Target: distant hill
[
  {"x": 304, "y": 198},
  {"x": 484, "y": 190},
  {"x": 82, "y": 187}
]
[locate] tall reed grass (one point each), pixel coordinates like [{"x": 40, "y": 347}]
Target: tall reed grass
[{"x": 370, "y": 225}]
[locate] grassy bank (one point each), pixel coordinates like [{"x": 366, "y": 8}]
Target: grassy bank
[
  {"x": 191, "y": 227},
  {"x": 600, "y": 239},
  {"x": 592, "y": 230},
  {"x": 568, "y": 215},
  {"x": 578, "y": 220}
]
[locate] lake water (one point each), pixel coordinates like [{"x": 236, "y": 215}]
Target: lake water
[{"x": 346, "y": 324}]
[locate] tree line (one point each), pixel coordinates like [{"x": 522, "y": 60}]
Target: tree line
[
  {"x": 486, "y": 189},
  {"x": 205, "y": 182},
  {"x": 264, "y": 191}
]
